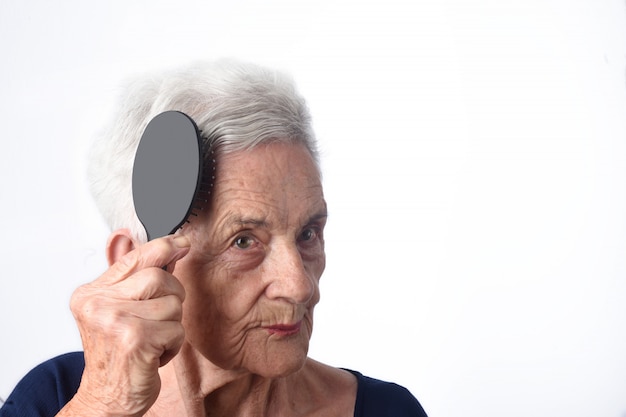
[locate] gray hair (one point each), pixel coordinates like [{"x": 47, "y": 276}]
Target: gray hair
[{"x": 237, "y": 106}]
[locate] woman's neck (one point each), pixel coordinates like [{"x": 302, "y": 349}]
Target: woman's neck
[{"x": 194, "y": 387}]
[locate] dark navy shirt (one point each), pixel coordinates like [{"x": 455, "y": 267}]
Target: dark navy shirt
[{"x": 46, "y": 389}]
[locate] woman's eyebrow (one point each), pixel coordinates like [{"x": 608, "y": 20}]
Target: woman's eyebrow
[
  {"x": 247, "y": 221},
  {"x": 322, "y": 215},
  {"x": 239, "y": 220}
]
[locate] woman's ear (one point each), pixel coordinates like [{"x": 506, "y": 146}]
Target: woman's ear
[{"x": 119, "y": 244}]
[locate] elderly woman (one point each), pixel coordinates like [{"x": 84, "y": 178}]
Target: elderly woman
[{"x": 224, "y": 328}]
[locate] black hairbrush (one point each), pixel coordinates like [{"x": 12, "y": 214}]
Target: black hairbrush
[{"x": 170, "y": 175}]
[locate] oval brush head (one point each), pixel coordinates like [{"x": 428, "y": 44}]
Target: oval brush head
[{"x": 168, "y": 173}]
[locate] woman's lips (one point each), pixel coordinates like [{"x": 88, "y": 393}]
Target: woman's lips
[{"x": 284, "y": 329}]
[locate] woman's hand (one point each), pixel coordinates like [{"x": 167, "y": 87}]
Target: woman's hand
[{"x": 130, "y": 324}]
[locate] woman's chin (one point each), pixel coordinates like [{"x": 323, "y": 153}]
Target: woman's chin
[{"x": 280, "y": 362}]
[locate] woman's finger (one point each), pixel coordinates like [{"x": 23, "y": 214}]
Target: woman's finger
[{"x": 154, "y": 254}]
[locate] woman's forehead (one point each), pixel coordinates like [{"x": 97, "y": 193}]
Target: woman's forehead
[
  {"x": 268, "y": 179},
  {"x": 267, "y": 166}
]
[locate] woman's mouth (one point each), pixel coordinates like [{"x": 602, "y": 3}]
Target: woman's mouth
[{"x": 284, "y": 329}]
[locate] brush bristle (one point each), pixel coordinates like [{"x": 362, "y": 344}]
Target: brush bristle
[{"x": 203, "y": 194}]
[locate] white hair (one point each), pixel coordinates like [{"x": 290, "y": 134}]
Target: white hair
[{"x": 236, "y": 106}]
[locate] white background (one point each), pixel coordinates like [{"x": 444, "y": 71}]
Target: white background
[{"x": 475, "y": 167}]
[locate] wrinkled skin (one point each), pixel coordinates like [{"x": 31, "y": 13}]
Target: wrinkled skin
[{"x": 225, "y": 330}]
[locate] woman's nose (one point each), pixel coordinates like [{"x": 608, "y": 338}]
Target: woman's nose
[{"x": 287, "y": 275}]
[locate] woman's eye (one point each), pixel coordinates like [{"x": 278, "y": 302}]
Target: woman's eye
[
  {"x": 308, "y": 234},
  {"x": 243, "y": 242}
]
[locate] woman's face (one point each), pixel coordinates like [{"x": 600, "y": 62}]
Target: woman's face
[{"x": 256, "y": 258}]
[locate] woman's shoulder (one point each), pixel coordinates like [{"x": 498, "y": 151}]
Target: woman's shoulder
[
  {"x": 368, "y": 397},
  {"x": 381, "y": 398},
  {"x": 47, "y": 387}
]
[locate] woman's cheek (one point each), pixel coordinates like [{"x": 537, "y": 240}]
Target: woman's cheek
[{"x": 241, "y": 260}]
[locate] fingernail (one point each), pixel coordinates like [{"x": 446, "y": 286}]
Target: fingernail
[{"x": 181, "y": 241}]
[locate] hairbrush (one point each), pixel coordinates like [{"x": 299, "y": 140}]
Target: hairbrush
[{"x": 171, "y": 176}]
